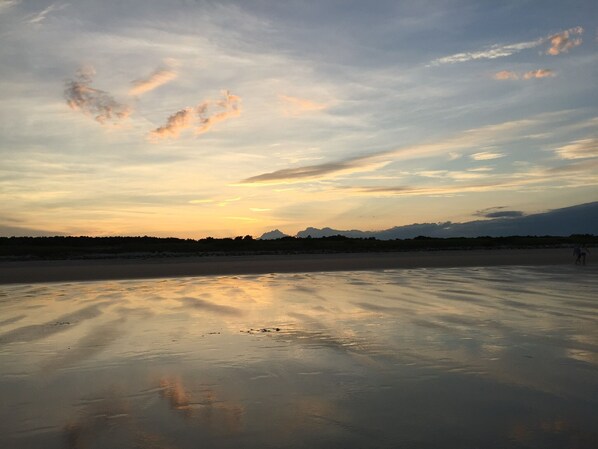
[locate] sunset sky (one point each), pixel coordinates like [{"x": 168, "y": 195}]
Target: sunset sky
[{"x": 222, "y": 118}]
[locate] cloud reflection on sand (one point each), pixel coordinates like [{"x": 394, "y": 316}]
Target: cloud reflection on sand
[{"x": 493, "y": 357}]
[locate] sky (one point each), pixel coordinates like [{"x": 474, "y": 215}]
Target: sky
[{"x": 223, "y": 118}]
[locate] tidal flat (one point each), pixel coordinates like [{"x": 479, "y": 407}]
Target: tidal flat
[{"x": 465, "y": 357}]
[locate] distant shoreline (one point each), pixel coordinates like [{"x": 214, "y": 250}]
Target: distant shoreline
[{"x": 94, "y": 269}]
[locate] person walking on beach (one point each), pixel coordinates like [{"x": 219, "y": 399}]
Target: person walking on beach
[{"x": 580, "y": 252}]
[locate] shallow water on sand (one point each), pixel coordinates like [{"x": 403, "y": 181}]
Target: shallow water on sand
[{"x": 454, "y": 358}]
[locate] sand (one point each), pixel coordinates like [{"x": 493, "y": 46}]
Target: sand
[
  {"x": 24, "y": 272},
  {"x": 452, "y": 358}
]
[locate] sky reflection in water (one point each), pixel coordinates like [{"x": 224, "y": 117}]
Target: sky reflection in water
[{"x": 453, "y": 358}]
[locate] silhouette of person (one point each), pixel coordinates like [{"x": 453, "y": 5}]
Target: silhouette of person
[{"x": 580, "y": 253}]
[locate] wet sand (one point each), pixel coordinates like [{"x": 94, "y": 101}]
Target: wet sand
[
  {"x": 25, "y": 272},
  {"x": 454, "y": 358}
]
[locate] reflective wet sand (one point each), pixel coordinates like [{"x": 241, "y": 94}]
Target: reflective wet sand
[{"x": 489, "y": 357}]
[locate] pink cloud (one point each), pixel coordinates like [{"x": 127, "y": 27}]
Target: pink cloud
[
  {"x": 562, "y": 42},
  {"x": 505, "y": 75},
  {"x": 540, "y": 73},
  {"x": 203, "y": 114},
  {"x": 532, "y": 74},
  {"x": 156, "y": 79},
  {"x": 232, "y": 108}
]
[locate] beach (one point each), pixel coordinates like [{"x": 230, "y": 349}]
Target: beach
[
  {"x": 454, "y": 357},
  {"x": 95, "y": 269}
]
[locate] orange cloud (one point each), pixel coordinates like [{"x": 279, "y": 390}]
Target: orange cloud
[
  {"x": 175, "y": 124},
  {"x": 232, "y": 108},
  {"x": 156, "y": 79},
  {"x": 540, "y": 73},
  {"x": 80, "y": 96},
  {"x": 506, "y": 75},
  {"x": 295, "y": 105},
  {"x": 562, "y": 42},
  {"x": 532, "y": 74},
  {"x": 186, "y": 118}
]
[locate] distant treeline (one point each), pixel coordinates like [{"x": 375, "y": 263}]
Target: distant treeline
[{"x": 73, "y": 247}]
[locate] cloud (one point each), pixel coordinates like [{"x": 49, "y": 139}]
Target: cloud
[
  {"x": 540, "y": 73},
  {"x": 505, "y": 214},
  {"x": 7, "y": 4},
  {"x": 498, "y": 212},
  {"x": 156, "y": 79},
  {"x": 562, "y": 42},
  {"x": 296, "y": 106},
  {"x": 577, "y": 168},
  {"x": 440, "y": 190},
  {"x": 486, "y": 156},
  {"x": 467, "y": 139},
  {"x": 579, "y": 149},
  {"x": 175, "y": 124},
  {"x": 80, "y": 96},
  {"x": 505, "y": 75},
  {"x": 300, "y": 174},
  {"x": 532, "y": 74},
  {"x": 232, "y": 108},
  {"x": 579, "y": 174},
  {"x": 200, "y": 116},
  {"x": 41, "y": 16},
  {"x": 559, "y": 43},
  {"x": 492, "y": 52}
]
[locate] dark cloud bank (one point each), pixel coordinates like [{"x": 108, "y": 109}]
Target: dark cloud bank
[{"x": 580, "y": 219}]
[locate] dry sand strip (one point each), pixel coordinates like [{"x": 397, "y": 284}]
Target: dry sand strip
[{"x": 26, "y": 272}]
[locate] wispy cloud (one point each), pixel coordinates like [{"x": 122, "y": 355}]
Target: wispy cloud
[
  {"x": 532, "y": 74},
  {"x": 231, "y": 105},
  {"x": 300, "y": 174},
  {"x": 540, "y": 73},
  {"x": 468, "y": 139},
  {"x": 559, "y": 43},
  {"x": 576, "y": 174},
  {"x": 297, "y": 106},
  {"x": 153, "y": 81},
  {"x": 201, "y": 117},
  {"x": 492, "y": 52},
  {"x": 486, "y": 156},
  {"x": 579, "y": 149},
  {"x": 562, "y": 42},
  {"x": 505, "y": 75},
  {"x": 6, "y": 4},
  {"x": 80, "y": 96},
  {"x": 42, "y": 15}
]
